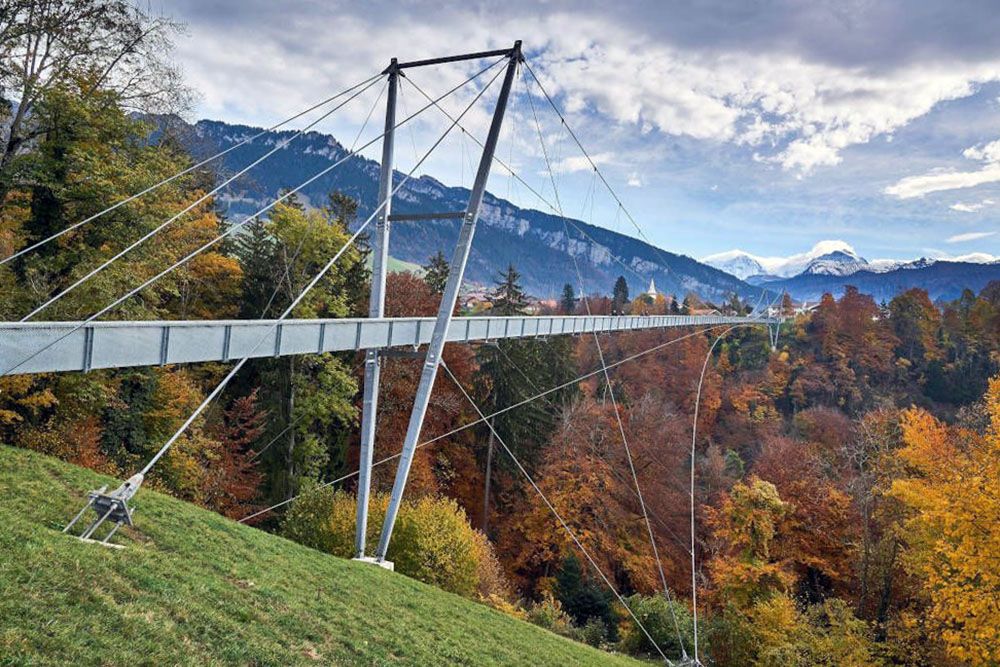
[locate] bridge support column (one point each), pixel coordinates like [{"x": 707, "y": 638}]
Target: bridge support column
[
  {"x": 376, "y": 308},
  {"x": 455, "y": 275}
]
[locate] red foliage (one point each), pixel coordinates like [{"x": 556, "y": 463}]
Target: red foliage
[{"x": 232, "y": 481}]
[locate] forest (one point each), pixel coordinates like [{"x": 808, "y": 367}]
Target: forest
[{"x": 847, "y": 483}]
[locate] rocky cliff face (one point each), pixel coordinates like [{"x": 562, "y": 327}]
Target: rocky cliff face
[{"x": 534, "y": 241}]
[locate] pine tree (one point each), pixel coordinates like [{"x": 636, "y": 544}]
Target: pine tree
[
  {"x": 582, "y": 598},
  {"x": 510, "y": 371},
  {"x": 568, "y": 301},
  {"x": 436, "y": 272},
  {"x": 509, "y": 298},
  {"x": 619, "y": 296},
  {"x": 256, "y": 251}
]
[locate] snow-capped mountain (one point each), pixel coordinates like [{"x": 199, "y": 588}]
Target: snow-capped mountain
[
  {"x": 829, "y": 258},
  {"x": 826, "y": 257},
  {"x": 736, "y": 263},
  {"x": 837, "y": 263}
]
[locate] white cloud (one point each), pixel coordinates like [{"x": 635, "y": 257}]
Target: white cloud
[
  {"x": 635, "y": 180},
  {"x": 796, "y": 113},
  {"x": 918, "y": 186},
  {"x": 971, "y": 208},
  {"x": 575, "y": 163},
  {"x": 799, "y": 114},
  {"x": 941, "y": 180},
  {"x": 968, "y": 236},
  {"x": 988, "y": 153}
]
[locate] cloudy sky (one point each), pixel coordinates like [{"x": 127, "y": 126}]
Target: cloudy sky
[{"x": 766, "y": 125}]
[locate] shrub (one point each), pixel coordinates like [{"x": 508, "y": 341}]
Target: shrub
[
  {"x": 432, "y": 541},
  {"x": 657, "y": 615},
  {"x": 548, "y": 613},
  {"x": 593, "y": 632},
  {"x": 774, "y": 631}
]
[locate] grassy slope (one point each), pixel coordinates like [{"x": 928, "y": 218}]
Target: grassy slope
[
  {"x": 195, "y": 588},
  {"x": 399, "y": 265}
]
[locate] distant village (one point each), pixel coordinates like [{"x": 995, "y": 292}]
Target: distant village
[{"x": 478, "y": 299}]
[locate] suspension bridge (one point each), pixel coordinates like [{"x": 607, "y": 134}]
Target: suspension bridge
[{"x": 93, "y": 343}]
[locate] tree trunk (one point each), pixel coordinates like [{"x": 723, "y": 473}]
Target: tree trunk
[
  {"x": 486, "y": 483},
  {"x": 886, "y": 598}
]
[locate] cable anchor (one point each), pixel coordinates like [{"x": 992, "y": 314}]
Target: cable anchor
[{"x": 112, "y": 506}]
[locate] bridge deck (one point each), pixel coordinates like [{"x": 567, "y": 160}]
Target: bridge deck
[{"x": 157, "y": 343}]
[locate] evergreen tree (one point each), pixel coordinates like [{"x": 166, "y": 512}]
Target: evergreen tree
[
  {"x": 510, "y": 371},
  {"x": 342, "y": 212},
  {"x": 584, "y": 599},
  {"x": 256, "y": 250},
  {"x": 309, "y": 398},
  {"x": 509, "y": 298},
  {"x": 568, "y": 301},
  {"x": 436, "y": 272},
  {"x": 124, "y": 439},
  {"x": 619, "y": 296}
]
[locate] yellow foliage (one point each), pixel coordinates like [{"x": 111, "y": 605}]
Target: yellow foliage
[
  {"x": 951, "y": 489},
  {"x": 23, "y": 394},
  {"x": 432, "y": 540}
]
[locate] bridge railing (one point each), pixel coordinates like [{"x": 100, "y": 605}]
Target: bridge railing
[{"x": 158, "y": 343}]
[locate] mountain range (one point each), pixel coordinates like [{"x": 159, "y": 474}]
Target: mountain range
[
  {"x": 829, "y": 266},
  {"x": 535, "y": 242}
]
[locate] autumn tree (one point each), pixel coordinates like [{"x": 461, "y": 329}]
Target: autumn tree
[
  {"x": 915, "y": 321},
  {"x": 511, "y": 370},
  {"x": 113, "y": 46},
  {"x": 448, "y": 465},
  {"x": 952, "y": 539}
]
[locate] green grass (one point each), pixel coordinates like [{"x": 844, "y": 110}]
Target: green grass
[
  {"x": 193, "y": 588},
  {"x": 399, "y": 266}
]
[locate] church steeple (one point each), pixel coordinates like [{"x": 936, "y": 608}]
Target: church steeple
[{"x": 652, "y": 288}]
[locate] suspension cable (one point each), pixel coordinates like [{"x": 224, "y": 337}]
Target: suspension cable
[
  {"x": 459, "y": 429},
  {"x": 593, "y": 164},
  {"x": 517, "y": 177},
  {"x": 607, "y": 380},
  {"x": 312, "y": 283},
  {"x": 183, "y": 172},
  {"x": 177, "y": 216},
  {"x": 694, "y": 437},
  {"x": 555, "y": 512},
  {"x": 233, "y": 228}
]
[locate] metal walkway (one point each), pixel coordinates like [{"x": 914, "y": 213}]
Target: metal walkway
[{"x": 157, "y": 343}]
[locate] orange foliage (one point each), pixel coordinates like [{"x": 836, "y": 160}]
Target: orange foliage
[{"x": 448, "y": 464}]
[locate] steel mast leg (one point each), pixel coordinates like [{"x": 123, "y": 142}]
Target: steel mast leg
[
  {"x": 376, "y": 308},
  {"x": 455, "y": 274}
]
